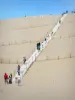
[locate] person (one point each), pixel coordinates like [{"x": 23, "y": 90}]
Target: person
[
  {"x": 45, "y": 39},
  {"x": 62, "y": 14},
  {"x": 19, "y": 79},
  {"x": 59, "y": 21},
  {"x": 73, "y": 11},
  {"x": 6, "y": 78},
  {"x": 51, "y": 33},
  {"x": 66, "y": 12},
  {"x": 18, "y": 70},
  {"x": 38, "y": 46},
  {"x": 24, "y": 60},
  {"x": 10, "y": 79}
]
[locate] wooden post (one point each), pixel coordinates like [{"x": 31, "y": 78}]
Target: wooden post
[
  {"x": 9, "y": 61},
  {"x": 58, "y": 57},
  {"x": 70, "y": 56},
  {"x": 17, "y": 61}
]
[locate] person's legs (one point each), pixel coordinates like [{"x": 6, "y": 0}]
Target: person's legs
[
  {"x": 19, "y": 81},
  {"x": 10, "y": 81},
  {"x": 5, "y": 81},
  {"x": 16, "y": 79},
  {"x": 18, "y": 72},
  {"x": 24, "y": 62}
]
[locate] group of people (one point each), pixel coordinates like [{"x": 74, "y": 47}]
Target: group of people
[
  {"x": 18, "y": 78},
  {"x": 67, "y": 12},
  {"x": 8, "y": 78},
  {"x": 73, "y": 11}
]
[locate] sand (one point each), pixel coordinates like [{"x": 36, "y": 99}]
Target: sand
[{"x": 50, "y": 79}]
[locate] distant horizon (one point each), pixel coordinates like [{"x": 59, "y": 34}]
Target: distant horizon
[
  {"x": 10, "y": 9},
  {"x": 30, "y": 16}
]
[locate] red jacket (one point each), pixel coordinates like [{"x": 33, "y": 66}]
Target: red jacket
[{"x": 5, "y": 76}]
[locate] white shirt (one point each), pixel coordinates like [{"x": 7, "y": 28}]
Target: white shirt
[{"x": 19, "y": 77}]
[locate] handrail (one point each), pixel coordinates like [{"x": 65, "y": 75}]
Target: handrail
[{"x": 36, "y": 53}]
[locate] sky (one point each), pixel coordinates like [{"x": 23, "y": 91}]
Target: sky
[{"x": 20, "y": 8}]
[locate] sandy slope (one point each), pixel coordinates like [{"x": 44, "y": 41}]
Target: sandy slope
[
  {"x": 45, "y": 80},
  {"x": 24, "y": 28},
  {"x": 49, "y": 79},
  {"x": 18, "y": 38},
  {"x": 21, "y": 41}
]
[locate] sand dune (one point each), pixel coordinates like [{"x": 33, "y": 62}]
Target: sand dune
[
  {"x": 28, "y": 29},
  {"x": 46, "y": 79}
]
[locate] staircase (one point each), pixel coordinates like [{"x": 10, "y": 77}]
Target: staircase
[{"x": 36, "y": 53}]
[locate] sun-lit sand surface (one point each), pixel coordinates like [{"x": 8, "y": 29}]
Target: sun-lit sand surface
[{"x": 50, "y": 79}]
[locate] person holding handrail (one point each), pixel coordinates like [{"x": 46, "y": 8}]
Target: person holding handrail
[
  {"x": 18, "y": 69},
  {"x": 38, "y": 46},
  {"x": 24, "y": 60},
  {"x": 19, "y": 80},
  {"x": 59, "y": 21},
  {"x": 10, "y": 79}
]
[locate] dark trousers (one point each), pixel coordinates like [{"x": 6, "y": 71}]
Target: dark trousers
[
  {"x": 10, "y": 81},
  {"x": 18, "y": 72}
]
